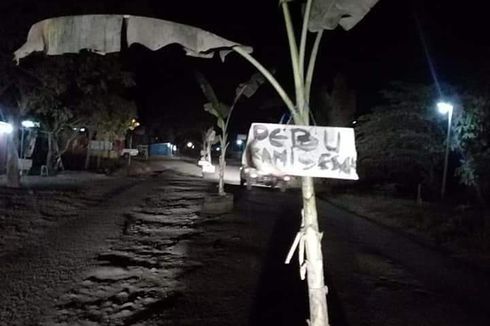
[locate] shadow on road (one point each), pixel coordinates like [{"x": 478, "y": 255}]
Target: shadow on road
[{"x": 281, "y": 296}]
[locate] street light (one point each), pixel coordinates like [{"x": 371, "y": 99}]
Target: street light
[
  {"x": 132, "y": 126},
  {"x": 446, "y": 108}
]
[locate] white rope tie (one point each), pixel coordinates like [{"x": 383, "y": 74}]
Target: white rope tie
[{"x": 300, "y": 243}]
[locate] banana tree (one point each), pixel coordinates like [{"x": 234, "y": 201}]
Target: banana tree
[
  {"x": 318, "y": 16},
  {"x": 222, "y": 112},
  {"x": 208, "y": 139}
]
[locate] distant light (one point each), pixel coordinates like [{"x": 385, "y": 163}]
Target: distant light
[
  {"x": 239, "y": 142},
  {"x": 190, "y": 144},
  {"x": 29, "y": 124},
  {"x": 82, "y": 129},
  {"x": 75, "y": 129},
  {"x": 218, "y": 148},
  {"x": 134, "y": 124},
  {"x": 444, "y": 107},
  {"x": 354, "y": 122},
  {"x": 6, "y": 128}
]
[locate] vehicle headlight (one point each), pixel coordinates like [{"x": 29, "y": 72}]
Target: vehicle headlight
[{"x": 287, "y": 178}]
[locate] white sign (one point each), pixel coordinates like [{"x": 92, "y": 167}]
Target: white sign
[
  {"x": 100, "y": 145},
  {"x": 324, "y": 152},
  {"x": 25, "y": 164}
]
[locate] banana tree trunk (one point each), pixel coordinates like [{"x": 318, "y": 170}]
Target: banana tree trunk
[
  {"x": 317, "y": 290},
  {"x": 222, "y": 166},
  {"x": 13, "y": 173},
  {"x": 87, "y": 154},
  {"x": 208, "y": 151},
  {"x": 98, "y": 159},
  {"x": 130, "y": 147},
  {"x": 57, "y": 156},
  {"x": 57, "y": 161},
  {"x": 309, "y": 236},
  {"x": 49, "y": 155}
]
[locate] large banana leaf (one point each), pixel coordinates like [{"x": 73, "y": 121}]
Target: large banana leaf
[
  {"x": 103, "y": 34},
  {"x": 328, "y": 14}
]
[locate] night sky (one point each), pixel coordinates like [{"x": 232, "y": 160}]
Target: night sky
[{"x": 388, "y": 45}]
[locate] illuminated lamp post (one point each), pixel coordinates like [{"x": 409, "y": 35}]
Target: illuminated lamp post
[
  {"x": 445, "y": 108},
  {"x": 132, "y": 125}
]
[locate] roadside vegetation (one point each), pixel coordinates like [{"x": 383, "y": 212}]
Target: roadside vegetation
[{"x": 401, "y": 145}]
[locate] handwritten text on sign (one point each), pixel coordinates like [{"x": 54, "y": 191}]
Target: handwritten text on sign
[{"x": 325, "y": 152}]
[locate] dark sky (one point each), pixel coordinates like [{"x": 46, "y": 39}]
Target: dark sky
[{"x": 386, "y": 46}]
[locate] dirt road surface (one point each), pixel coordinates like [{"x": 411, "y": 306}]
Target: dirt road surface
[{"x": 137, "y": 251}]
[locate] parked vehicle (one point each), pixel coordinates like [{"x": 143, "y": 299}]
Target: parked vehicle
[
  {"x": 129, "y": 151},
  {"x": 250, "y": 176},
  {"x": 265, "y": 175}
]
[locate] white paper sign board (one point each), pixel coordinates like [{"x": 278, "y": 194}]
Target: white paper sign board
[
  {"x": 323, "y": 152},
  {"x": 25, "y": 164},
  {"x": 100, "y": 145}
]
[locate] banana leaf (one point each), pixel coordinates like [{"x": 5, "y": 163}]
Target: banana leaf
[
  {"x": 251, "y": 86},
  {"x": 103, "y": 34},
  {"x": 214, "y": 106},
  {"x": 328, "y": 14}
]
